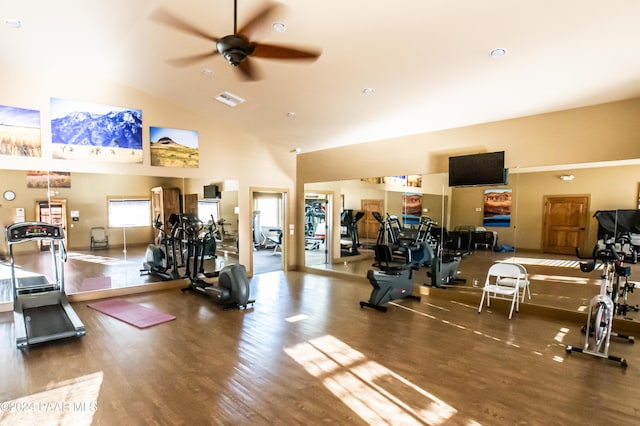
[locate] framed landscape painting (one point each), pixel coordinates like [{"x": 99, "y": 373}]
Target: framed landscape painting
[
  {"x": 86, "y": 131},
  {"x": 45, "y": 179},
  {"x": 497, "y": 207},
  {"x": 20, "y": 132},
  {"x": 174, "y": 147}
]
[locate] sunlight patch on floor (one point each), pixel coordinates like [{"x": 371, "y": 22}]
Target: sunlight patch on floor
[
  {"x": 465, "y": 305},
  {"x": 375, "y": 393},
  {"x": 442, "y": 308},
  {"x": 560, "y": 335},
  {"x": 297, "y": 318},
  {"x": 459, "y": 326},
  {"x": 5, "y": 272},
  {"x": 562, "y": 263},
  {"x": 103, "y": 260},
  {"x": 560, "y": 279},
  {"x": 72, "y": 402}
]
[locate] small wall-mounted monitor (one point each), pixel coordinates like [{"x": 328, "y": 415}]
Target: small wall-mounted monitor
[
  {"x": 211, "y": 191},
  {"x": 478, "y": 169}
]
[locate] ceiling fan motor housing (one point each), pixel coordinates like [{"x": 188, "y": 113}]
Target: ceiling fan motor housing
[{"x": 234, "y": 48}]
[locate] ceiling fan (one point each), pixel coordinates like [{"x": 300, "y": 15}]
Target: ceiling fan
[{"x": 237, "y": 48}]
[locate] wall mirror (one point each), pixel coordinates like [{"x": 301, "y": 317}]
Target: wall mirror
[
  {"x": 550, "y": 213},
  {"x": 109, "y": 222},
  {"x": 343, "y": 232}
]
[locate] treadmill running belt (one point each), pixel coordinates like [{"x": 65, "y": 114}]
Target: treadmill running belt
[{"x": 46, "y": 321}]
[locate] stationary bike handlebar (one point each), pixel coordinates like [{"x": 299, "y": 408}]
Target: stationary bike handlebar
[{"x": 608, "y": 255}]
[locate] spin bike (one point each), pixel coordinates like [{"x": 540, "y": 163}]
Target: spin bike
[{"x": 602, "y": 307}]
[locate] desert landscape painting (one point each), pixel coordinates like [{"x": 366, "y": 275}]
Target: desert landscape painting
[
  {"x": 497, "y": 207},
  {"x": 45, "y": 179},
  {"x": 174, "y": 147}
]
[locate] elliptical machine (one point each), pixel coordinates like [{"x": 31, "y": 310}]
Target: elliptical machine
[
  {"x": 444, "y": 266},
  {"x": 160, "y": 256},
  {"x": 349, "y": 230},
  {"x": 229, "y": 287},
  {"x": 204, "y": 248}
]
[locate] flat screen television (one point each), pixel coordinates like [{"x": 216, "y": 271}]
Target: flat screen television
[
  {"x": 211, "y": 191},
  {"x": 478, "y": 169}
]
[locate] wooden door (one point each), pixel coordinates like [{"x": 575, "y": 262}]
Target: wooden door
[
  {"x": 165, "y": 202},
  {"x": 368, "y": 226},
  {"x": 54, "y": 212},
  {"x": 190, "y": 204},
  {"x": 565, "y": 223}
]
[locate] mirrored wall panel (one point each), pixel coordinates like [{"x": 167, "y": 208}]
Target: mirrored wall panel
[{"x": 120, "y": 230}]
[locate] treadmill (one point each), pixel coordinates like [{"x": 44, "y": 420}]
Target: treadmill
[{"x": 41, "y": 310}]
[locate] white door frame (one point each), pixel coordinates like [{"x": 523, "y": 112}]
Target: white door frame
[{"x": 284, "y": 206}]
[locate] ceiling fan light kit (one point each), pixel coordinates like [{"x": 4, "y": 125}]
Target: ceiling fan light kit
[
  {"x": 234, "y": 49},
  {"x": 238, "y": 48}
]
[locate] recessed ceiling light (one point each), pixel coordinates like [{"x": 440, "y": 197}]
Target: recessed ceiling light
[
  {"x": 498, "y": 52},
  {"x": 368, "y": 90},
  {"x": 13, "y": 23},
  {"x": 208, "y": 72},
  {"x": 295, "y": 151},
  {"x": 291, "y": 114},
  {"x": 279, "y": 27}
]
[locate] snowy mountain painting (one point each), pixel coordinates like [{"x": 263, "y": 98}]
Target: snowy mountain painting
[
  {"x": 174, "y": 147},
  {"x": 81, "y": 130}
]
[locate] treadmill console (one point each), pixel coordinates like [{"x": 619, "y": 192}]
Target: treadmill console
[{"x": 26, "y": 231}]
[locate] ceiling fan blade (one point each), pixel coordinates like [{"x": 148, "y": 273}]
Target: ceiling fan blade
[
  {"x": 248, "y": 70},
  {"x": 282, "y": 52},
  {"x": 190, "y": 60},
  {"x": 165, "y": 17},
  {"x": 249, "y": 28}
]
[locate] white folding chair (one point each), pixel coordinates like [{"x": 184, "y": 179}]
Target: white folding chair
[
  {"x": 524, "y": 282},
  {"x": 493, "y": 289}
]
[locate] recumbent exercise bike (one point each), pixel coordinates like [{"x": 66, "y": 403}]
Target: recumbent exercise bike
[{"x": 393, "y": 280}]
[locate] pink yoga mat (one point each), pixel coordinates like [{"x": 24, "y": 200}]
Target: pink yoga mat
[{"x": 131, "y": 313}]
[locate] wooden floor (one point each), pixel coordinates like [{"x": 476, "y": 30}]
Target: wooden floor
[
  {"x": 556, "y": 280},
  {"x": 307, "y": 354}
]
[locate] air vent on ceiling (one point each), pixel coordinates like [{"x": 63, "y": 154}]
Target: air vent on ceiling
[{"x": 229, "y": 99}]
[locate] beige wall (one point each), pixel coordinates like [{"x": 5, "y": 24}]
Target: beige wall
[
  {"x": 88, "y": 195},
  {"x": 609, "y": 188},
  {"x": 226, "y": 153},
  {"x": 601, "y": 133},
  {"x": 565, "y": 137}
]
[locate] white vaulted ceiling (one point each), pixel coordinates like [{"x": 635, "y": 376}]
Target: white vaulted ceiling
[{"x": 427, "y": 61}]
